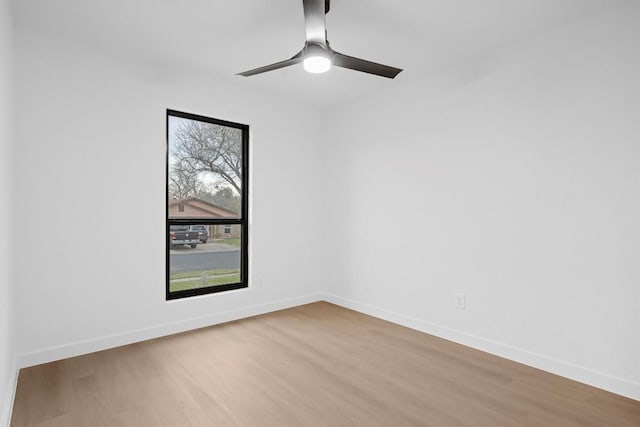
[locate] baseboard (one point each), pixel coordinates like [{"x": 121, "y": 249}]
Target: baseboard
[
  {"x": 103, "y": 343},
  {"x": 9, "y": 396},
  {"x": 568, "y": 370}
]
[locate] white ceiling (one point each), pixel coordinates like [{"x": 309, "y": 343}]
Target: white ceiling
[{"x": 226, "y": 37}]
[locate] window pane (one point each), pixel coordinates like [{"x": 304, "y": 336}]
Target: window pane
[
  {"x": 203, "y": 256},
  {"x": 205, "y": 169},
  {"x": 207, "y": 199}
]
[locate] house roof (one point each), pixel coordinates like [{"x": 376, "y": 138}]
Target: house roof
[{"x": 209, "y": 209}]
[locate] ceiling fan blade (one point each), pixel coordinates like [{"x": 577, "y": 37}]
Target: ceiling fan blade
[
  {"x": 314, "y": 21},
  {"x": 346, "y": 61},
  {"x": 297, "y": 58}
]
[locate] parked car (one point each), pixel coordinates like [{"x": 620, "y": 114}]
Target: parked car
[
  {"x": 183, "y": 235},
  {"x": 203, "y": 232}
]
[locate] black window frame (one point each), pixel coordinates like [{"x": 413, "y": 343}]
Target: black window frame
[{"x": 242, "y": 221}]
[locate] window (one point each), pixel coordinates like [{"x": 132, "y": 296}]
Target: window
[{"x": 207, "y": 177}]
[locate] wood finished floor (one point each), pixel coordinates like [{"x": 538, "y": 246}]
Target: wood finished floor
[{"x": 313, "y": 365}]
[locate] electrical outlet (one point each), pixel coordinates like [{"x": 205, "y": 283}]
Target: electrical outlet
[
  {"x": 260, "y": 282},
  {"x": 461, "y": 301}
]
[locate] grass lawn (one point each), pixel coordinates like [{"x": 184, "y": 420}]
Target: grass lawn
[
  {"x": 201, "y": 279},
  {"x": 232, "y": 242},
  {"x": 198, "y": 274}
]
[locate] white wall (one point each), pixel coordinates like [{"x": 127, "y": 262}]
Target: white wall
[
  {"x": 514, "y": 178},
  {"x": 90, "y": 173},
  {"x": 6, "y": 324}
]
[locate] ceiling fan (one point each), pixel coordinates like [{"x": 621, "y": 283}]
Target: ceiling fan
[{"x": 316, "y": 55}]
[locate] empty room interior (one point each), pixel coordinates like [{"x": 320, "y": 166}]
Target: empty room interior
[{"x": 320, "y": 213}]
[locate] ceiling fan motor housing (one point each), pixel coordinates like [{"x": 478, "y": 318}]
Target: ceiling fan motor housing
[{"x": 316, "y": 49}]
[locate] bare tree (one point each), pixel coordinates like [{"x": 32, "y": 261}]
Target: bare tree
[
  {"x": 208, "y": 148},
  {"x": 183, "y": 184},
  {"x": 224, "y": 197}
]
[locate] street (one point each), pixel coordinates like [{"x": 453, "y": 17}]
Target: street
[{"x": 195, "y": 261}]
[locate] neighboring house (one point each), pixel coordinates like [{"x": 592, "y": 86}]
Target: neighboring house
[{"x": 198, "y": 208}]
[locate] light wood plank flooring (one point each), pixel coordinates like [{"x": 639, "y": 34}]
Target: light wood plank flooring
[{"x": 313, "y": 365}]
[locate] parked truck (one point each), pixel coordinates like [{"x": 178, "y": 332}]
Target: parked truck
[
  {"x": 183, "y": 235},
  {"x": 203, "y": 232}
]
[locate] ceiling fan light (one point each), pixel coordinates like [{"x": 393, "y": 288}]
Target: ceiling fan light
[{"x": 317, "y": 64}]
